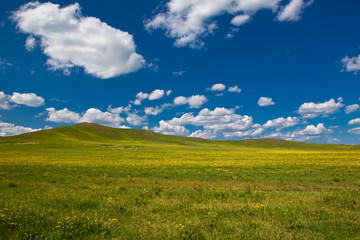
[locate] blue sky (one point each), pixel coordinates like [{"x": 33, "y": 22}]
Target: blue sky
[{"x": 229, "y": 69}]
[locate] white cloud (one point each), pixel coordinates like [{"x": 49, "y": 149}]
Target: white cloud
[
  {"x": 4, "y": 103},
  {"x": 180, "y": 100},
  {"x": 195, "y": 101},
  {"x": 293, "y": 11},
  {"x": 265, "y": 101},
  {"x": 240, "y": 20},
  {"x": 142, "y": 95},
  {"x": 109, "y": 118},
  {"x": 313, "y": 110},
  {"x": 156, "y": 94},
  {"x": 119, "y": 110},
  {"x": 218, "y": 87},
  {"x": 234, "y": 89},
  {"x": 281, "y": 123},
  {"x": 240, "y": 134},
  {"x": 9, "y": 129},
  {"x": 62, "y": 116},
  {"x": 354, "y": 121},
  {"x": 69, "y": 39},
  {"x": 352, "y": 108},
  {"x": 153, "y": 110},
  {"x": 207, "y": 134},
  {"x": 189, "y": 21},
  {"x": 355, "y": 131},
  {"x": 137, "y": 102},
  {"x": 28, "y": 99},
  {"x": 310, "y": 132},
  {"x": 105, "y": 118},
  {"x": 135, "y": 119},
  {"x": 351, "y": 64},
  {"x": 169, "y": 129},
  {"x": 139, "y": 97},
  {"x": 334, "y": 141},
  {"x": 30, "y": 43},
  {"x": 219, "y": 121}
]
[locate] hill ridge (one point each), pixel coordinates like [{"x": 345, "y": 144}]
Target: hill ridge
[{"x": 98, "y": 134}]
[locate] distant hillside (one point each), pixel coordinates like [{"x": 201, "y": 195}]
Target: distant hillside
[
  {"x": 92, "y": 133},
  {"x": 283, "y": 144},
  {"x": 95, "y": 133}
]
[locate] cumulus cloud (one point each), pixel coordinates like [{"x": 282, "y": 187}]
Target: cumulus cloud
[
  {"x": 310, "y": 132},
  {"x": 180, "y": 100},
  {"x": 69, "y": 39},
  {"x": 351, "y": 64},
  {"x": 104, "y": 118},
  {"x": 189, "y": 21},
  {"x": 142, "y": 95},
  {"x": 170, "y": 129},
  {"x": 256, "y": 131},
  {"x": 234, "y": 89},
  {"x": 355, "y": 131},
  {"x": 139, "y": 97},
  {"x": 312, "y": 110},
  {"x": 109, "y": 118},
  {"x": 119, "y": 110},
  {"x": 240, "y": 20},
  {"x": 4, "y": 103},
  {"x": 62, "y": 116},
  {"x": 281, "y": 123},
  {"x": 218, "y": 87},
  {"x": 30, "y": 43},
  {"x": 9, "y": 129},
  {"x": 334, "y": 141},
  {"x": 28, "y": 99},
  {"x": 351, "y": 108},
  {"x": 156, "y": 94},
  {"x": 354, "y": 121},
  {"x": 293, "y": 11},
  {"x": 135, "y": 119},
  {"x": 265, "y": 101},
  {"x": 195, "y": 101},
  {"x": 220, "y": 121},
  {"x": 153, "y": 110},
  {"x": 207, "y": 134}
]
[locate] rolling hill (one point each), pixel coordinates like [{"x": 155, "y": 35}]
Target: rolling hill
[{"x": 92, "y": 133}]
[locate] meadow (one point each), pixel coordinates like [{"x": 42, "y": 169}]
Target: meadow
[{"x": 146, "y": 190}]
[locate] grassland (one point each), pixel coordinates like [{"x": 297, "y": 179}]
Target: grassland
[{"x": 91, "y": 182}]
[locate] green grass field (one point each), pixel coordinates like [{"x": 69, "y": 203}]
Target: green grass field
[{"x": 93, "y": 182}]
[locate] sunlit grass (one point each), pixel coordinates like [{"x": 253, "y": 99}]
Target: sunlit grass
[{"x": 149, "y": 191}]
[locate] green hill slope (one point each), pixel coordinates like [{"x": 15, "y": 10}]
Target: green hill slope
[
  {"x": 95, "y": 133},
  {"x": 92, "y": 133}
]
